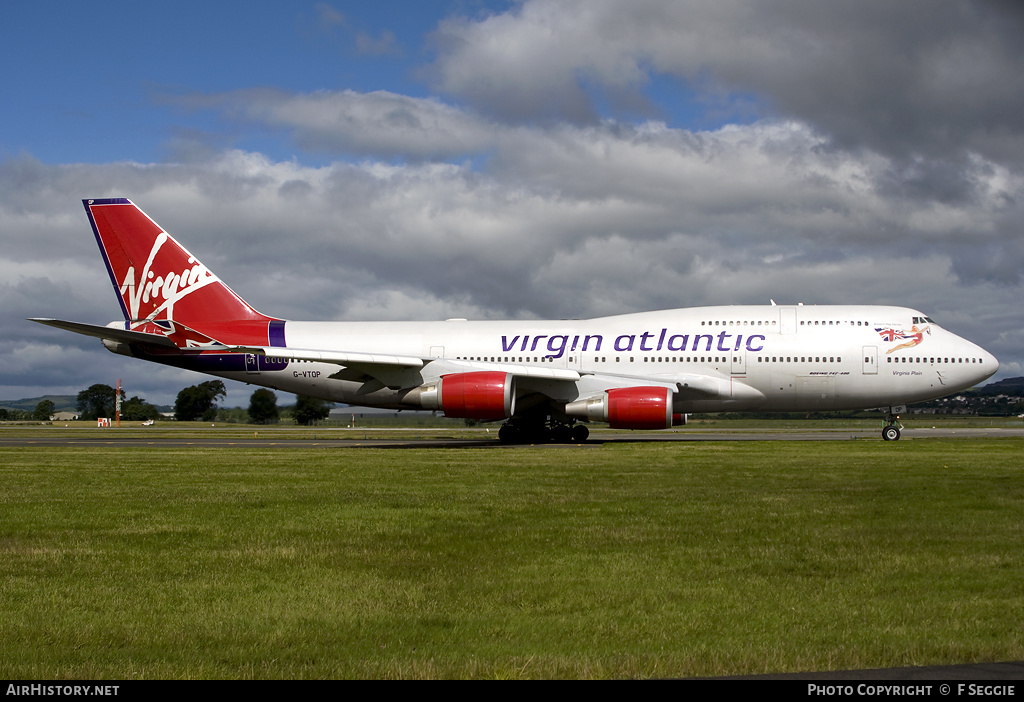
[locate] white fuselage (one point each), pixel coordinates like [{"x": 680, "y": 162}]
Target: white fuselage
[{"x": 753, "y": 357}]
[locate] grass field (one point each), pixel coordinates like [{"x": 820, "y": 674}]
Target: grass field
[{"x": 622, "y": 560}]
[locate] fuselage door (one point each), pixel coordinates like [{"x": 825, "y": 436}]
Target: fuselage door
[
  {"x": 252, "y": 363},
  {"x": 787, "y": 317},
  {"x": 739, "y": 362},
  {"x": 870, "y": 356}
]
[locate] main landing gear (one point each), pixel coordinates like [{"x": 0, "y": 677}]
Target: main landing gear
[
  {"x": 517, "y": 431},
  {"x": 891, "y": 430}
]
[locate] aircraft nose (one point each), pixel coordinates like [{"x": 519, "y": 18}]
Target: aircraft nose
[
  {"x": 989, "y": 364},
  {"x": 992, "y": 361}
]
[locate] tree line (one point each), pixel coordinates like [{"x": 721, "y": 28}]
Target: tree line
[
  {"x": 199, "y": 402},
  {"x": 194, "y": 403}
]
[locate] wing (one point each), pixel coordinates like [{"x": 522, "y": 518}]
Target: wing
[{"x": 392, "y": 370}]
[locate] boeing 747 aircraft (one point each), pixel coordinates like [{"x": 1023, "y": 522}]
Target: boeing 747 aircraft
[{"x": 545, "y": 380}]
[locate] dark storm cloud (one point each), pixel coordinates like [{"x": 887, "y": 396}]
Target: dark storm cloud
[{"x": 911, "y": 77}]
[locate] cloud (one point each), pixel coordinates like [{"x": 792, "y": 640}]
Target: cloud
[
  {"x": 899, "y": 78},
  {"x": 567, "y": 221},
  {"x": 766, "y": 184},
  {"x": 379, "y": 124}
]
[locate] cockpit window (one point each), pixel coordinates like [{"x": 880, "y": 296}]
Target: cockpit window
[{"x": 924, "y": 320}]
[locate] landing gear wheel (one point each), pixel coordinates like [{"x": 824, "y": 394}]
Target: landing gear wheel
[
  {"x": 891, "y": 430},
  {"x": 508, "y": 434},
  {"x": 518, "y": 431},
  {"x": 541, "y": 435},
  {"x": 561, "y": 434}
]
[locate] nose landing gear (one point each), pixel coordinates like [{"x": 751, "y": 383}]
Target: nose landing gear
[{"x": 891, "y": 430}]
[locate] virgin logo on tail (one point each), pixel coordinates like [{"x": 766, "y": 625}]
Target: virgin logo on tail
[
  {"x": 156, "y": 279},
  {"x": 162, "y": 291}
]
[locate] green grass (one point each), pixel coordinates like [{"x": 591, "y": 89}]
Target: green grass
[{"x": 624, "y": 560}]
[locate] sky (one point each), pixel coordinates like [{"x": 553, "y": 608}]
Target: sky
[{"x": 512, "y": 160}]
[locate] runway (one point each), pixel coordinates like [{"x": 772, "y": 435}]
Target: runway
[{"x": 453, "y": 439}]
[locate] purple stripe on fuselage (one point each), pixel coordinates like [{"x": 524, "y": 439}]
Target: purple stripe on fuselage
[
  {"x": 201, "y": 362},
  {"x": 276, "y": 333}
]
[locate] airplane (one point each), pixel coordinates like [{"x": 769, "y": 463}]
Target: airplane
[{"x": 544, "y": 380}]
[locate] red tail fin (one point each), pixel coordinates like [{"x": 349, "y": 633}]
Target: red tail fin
[{"x": 159, "y": 281}]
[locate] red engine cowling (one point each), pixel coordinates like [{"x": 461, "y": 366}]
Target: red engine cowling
[
  {"x": 645, "y": 407},
  {"x": 639, "y": 408},
  {"x": 480, "y": 395}
]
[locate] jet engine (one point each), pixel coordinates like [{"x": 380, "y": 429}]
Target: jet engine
[
  {"x": 645, "y": 407},
  {"x": 478, "y": 395}
]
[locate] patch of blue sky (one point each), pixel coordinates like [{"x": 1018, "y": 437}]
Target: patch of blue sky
[
  {"x": 693, "y": 105},
  {"x": 82, "y": 82},
  {"x": 98, "y": 83},
  {"x": 703, "y": 108}
]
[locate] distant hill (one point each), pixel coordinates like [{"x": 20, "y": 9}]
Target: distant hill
[
  {"x": 61, "y": 403},
  {"x": 1013, "y": 387}
]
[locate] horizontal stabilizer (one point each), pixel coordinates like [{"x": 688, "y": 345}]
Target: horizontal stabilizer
[{"x": 111, "y": 333}]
